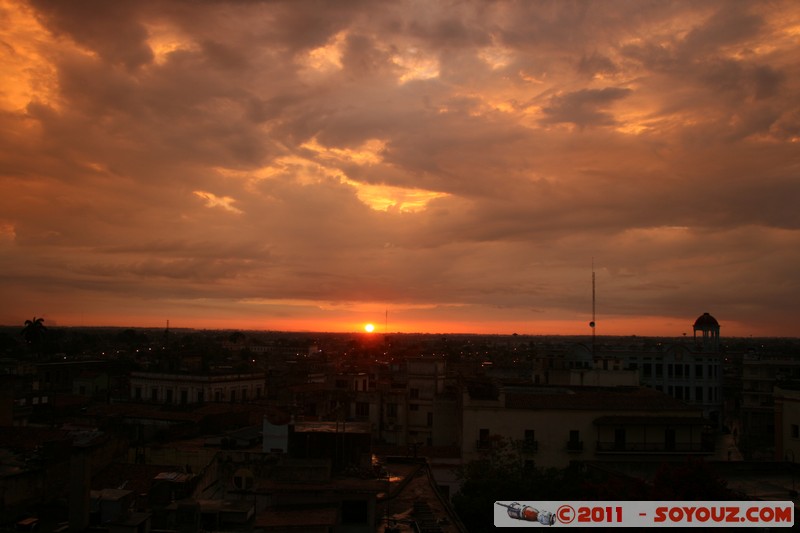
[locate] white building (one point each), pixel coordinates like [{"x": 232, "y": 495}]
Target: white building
[{"x": 691, "y": 372}]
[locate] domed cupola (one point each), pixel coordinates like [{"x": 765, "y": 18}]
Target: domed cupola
[{"x": 709, "y": 327}]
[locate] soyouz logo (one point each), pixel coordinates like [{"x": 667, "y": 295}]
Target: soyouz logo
[
  {"x": 645, "y": 514},
  {"x": 716, "y": 513}
]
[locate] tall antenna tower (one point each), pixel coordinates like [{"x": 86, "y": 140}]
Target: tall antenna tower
[{"x": 592, "y": 324}]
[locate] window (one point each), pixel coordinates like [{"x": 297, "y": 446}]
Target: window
[
  {"x": 154, "y": 394},
  {"x": 529, "y": 444},
  {"x": 413, "y": 407},
  {"x": 678, "y": 371},
  {"x": 698, "y": 394},
  {"x": 698, "y": 371},
  {"x": 184, "y": 396},
  {"x": 169, "y": 396},
  {"x": 137, "y": 393},
  {"x": 362, "y": 409},
  {"x": 233, "y": 395},
  {"x": 669, "y": 439},
  {"x": 244, "y": 395},
  {"x": 659, "y": 370},
  {"x": 647, "y": 370},
  {"x": 669, "y": 370},
  {"x": 199, "y": 396},
  {"x": 414, "y": 393},
  {"x": 619, "y": 439},
  {"x": 795, "y": 431},
  {"x": 430, "y": 420},
  {"x": 391, "y": 409},
  {"x": 574, "y": 440},
  {"x": 483, "y": 439}
]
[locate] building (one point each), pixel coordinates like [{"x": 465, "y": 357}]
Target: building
[
  {"x": 787, "y": 421},
  {"x": 183, "y": 388},
  {"x": 552, "y": 426},
  {"x": 686, "y": 375},
  {"x": 691, "y": 372},
  {"x": 762, "y": 373}
]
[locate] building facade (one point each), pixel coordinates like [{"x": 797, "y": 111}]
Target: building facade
[
  {"x": 552, "y": 426},
  {"x": 169, "y": 388}
]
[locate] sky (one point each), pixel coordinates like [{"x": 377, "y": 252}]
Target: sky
[{"x": 427, "y": 166}]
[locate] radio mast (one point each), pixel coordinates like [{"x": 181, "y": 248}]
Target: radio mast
[{"x": 592, "y": 324}]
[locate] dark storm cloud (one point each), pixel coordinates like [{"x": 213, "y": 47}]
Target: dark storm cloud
[
  {"x": 585, "y": 107},
  {"x": 109, "y": 28},
  {"x": 596, "y": 64},
  {"x": 733, "y": 23}
]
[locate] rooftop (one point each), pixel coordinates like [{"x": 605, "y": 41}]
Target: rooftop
[{"x": 706, "y": 321}]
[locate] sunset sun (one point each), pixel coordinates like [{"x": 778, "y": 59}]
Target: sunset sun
[{"x": 369, "y": 328}]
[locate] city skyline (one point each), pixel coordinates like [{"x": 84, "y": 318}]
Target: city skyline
[{"x": 453, "y": 167}]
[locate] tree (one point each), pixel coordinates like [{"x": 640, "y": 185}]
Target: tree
[
  {"x": 34, "y": 332},
  {"x": 690, "y": 481},
  {"x": 502, "y": 474}
]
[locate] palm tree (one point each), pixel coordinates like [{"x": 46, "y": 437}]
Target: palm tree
[{"x": 34, "y": 332}]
